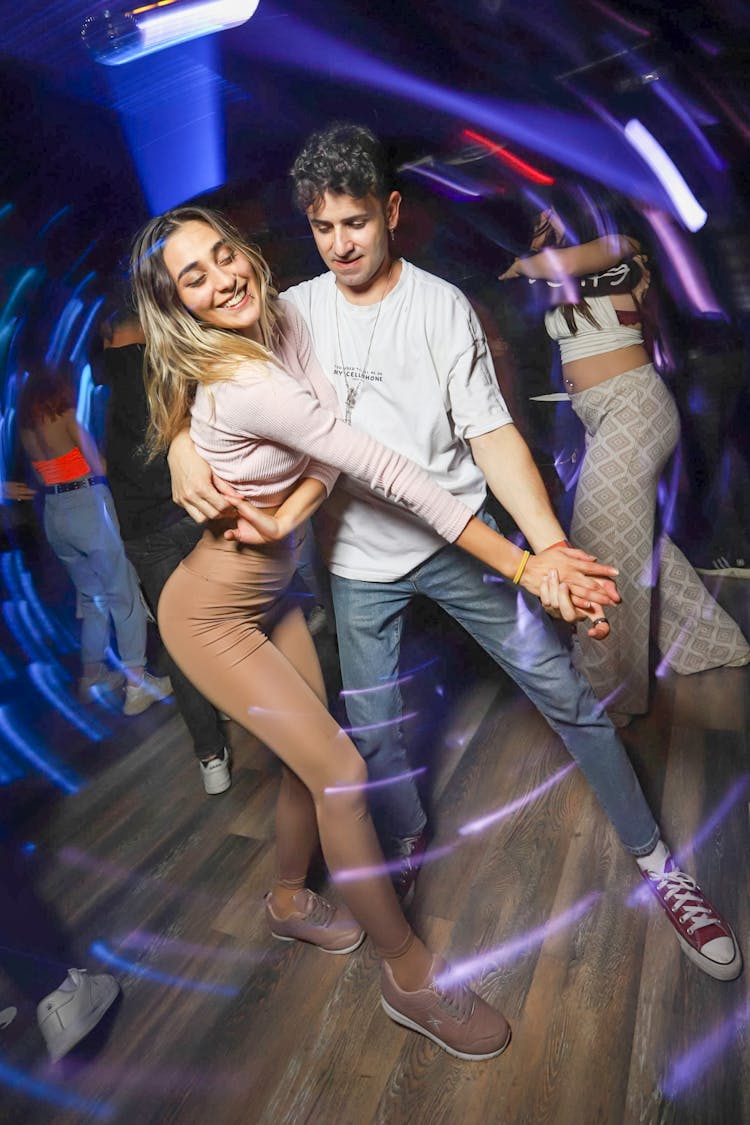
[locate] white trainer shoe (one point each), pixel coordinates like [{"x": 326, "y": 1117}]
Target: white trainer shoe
[
  {"x": 74, "y": 1009},
  {"x": 216, "y": 774},
  {"x": 140, "y": 696}
]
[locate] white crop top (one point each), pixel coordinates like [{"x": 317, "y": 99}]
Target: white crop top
[{"x": 591, "y": 340}]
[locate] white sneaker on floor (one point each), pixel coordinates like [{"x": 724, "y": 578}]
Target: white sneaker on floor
[
  {"x": 104, "y": 679},
  {"x": 216, "y": 774},
  {"x": 74, "y": 1009},
  {"x": 140, "y": 696}
]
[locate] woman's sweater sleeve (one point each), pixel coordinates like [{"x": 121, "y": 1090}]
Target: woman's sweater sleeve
[
  {"x": 278, "y": 409},
  {"x": 300, "y": 341}
]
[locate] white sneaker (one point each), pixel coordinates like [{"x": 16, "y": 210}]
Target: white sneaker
[
  {"x": 140, "y": 696},
  {"x": 104, "y": 679},
  {"x": 216, "y": 775},
  {"x": 74, "y": 1009}
]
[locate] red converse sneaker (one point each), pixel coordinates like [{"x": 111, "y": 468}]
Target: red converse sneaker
[
  {"x": 452, "y": 1016},
  {"x": 701, "y": 931}
]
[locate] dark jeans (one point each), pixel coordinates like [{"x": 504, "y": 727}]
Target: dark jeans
[{"x": 154, "y": 557}]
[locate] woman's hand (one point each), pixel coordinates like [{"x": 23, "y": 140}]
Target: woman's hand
[
  {"x": 555, "y": 597},
  {"x": 514, "y": 270},
  {"x": 255, "y": 526},
  {"x": 16, "y": 490},
  {"x": 588, "y": 582},
  {"x": 640, "y": 290}
]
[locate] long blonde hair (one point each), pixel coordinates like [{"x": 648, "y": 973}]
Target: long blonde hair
[{"x": 182, "y": 351}]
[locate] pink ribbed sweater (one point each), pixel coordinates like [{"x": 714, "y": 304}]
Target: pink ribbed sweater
[{"x": 268, "y": 427}]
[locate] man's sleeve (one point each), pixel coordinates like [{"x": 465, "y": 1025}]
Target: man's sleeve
[{"x": 476, "y": 402}]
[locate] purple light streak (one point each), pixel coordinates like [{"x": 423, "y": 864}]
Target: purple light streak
[
  {"x": 690, "y": 1067},
  {"x": 390, "y": 867},
  {"x": 735, "y": 792},
  {"x": 493, "y": 959},
  {"x": 483, "y": 822},
  {"x": 688, "y": 270},
  {"x": 385, "y": 723},
  {"x": 451, "y": 185},
  {"x": 377, "y": 687},
  {"x": 381, "y": 784},
  {"x": 668, "y": 174}
]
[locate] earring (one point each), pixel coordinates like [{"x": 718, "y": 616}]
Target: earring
[{"x": 392, "y": 233}]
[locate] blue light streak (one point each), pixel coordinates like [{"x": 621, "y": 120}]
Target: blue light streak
[
  {"x": 48, "y": 680},
  {"x": 27, "y": 746},
  {"x": 60, "y": 1096},
  {"x": 99, "y": 949}
]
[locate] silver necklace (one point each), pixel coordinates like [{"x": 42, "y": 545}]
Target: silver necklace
[{"x": 353, "y": 389}]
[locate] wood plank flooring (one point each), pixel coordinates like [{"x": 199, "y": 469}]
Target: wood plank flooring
[{"x": 220, "y": 1024}]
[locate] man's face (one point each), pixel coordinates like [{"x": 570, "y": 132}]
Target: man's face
[{"x": 352, "y": 238}]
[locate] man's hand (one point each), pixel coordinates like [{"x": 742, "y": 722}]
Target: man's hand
[
  {"x": 193, "y": 486},
  {"x": 588, "y": 582},
  {"x": 555, "y": 597}
]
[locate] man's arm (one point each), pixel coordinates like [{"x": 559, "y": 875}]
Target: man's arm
[{"x": 510, "y": 471}]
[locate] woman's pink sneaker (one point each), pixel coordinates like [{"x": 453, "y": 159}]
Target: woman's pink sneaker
[
  {"x": 317, "y": 922},
  {"x": 450, "y": 1015}
]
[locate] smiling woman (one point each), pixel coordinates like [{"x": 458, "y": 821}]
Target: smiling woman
[{"x": 222, "y": 348}]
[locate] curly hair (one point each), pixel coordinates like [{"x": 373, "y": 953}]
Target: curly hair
[
  {"x": 344, "y": 159},
  {"x": 181, "y": 351}
]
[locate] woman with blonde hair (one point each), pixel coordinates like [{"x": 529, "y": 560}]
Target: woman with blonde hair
[{"x": 221, "y": 348}]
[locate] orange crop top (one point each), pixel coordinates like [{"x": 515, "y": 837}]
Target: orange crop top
[{"x": 58, "y": 470}]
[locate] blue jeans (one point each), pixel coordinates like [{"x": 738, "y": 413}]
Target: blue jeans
[
  {"x": 83, "y": 531},
  {"x": 512, "y": 627},
  {"x": 155, "y": 556}
]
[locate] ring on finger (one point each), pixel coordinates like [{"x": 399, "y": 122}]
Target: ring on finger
[{"x": 599, "y": 621}]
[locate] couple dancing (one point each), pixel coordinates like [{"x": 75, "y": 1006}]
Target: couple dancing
[{"x": 235, "y": 389}]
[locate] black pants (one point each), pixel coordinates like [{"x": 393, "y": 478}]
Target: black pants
[{"x": 154, "y": 557}]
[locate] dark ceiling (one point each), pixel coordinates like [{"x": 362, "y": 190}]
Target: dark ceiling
[{"x": 553, "y": 80}]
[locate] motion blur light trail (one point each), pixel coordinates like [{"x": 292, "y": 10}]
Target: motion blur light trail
[
  {"x": 493, "y": 959},
  {"x": 100, "y": 950},
  {"x": 489, "y": 819},
  {"x": 690, "y": 1067},
  {"x": 687, "y": 206},
  {"x": 574, "y": 142},
  {"x": 52, "y": 1094},
  {"x": 734, "y": 794}
]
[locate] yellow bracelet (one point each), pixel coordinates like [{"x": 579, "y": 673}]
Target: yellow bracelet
[{"x": 521, "y": 566}]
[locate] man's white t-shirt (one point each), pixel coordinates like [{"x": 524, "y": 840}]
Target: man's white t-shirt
[{"x": 428, "y": 386}]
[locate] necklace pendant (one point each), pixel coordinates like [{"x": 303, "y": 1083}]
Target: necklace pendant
[{"x": 351, "y": 398}]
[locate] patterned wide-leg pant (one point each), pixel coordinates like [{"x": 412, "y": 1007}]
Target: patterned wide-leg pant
[{"x": 632, "y": 426}]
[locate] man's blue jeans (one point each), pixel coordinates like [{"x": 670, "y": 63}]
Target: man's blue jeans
[{"x": 512, "y": 627}]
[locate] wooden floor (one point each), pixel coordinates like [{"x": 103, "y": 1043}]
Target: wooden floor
[{"x": 220, "y": 1025}]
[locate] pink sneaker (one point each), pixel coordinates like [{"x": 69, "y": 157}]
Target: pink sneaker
[
  {"x": 452, "y": 1016},
  {"x": 701, "y": 931},
  {"x": 317, "y": 922}
]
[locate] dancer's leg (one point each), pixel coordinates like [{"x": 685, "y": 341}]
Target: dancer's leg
[
  {"x": 259, "y": 687},
  {"x": 631, "y": 428}
]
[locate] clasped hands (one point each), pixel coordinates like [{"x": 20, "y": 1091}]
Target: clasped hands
[{"x": 572, "y": 585}]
